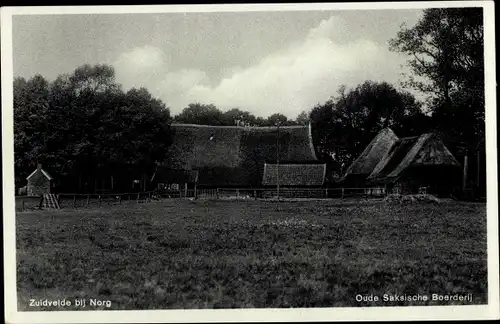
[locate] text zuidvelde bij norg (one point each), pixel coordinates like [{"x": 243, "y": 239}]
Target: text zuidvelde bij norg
[{"x": 60, "y": 303}]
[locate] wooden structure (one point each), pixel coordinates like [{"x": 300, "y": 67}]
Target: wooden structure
[
  {"x": 50, "y": 201},
  {"x": 418, "y": 163},
  {"x": 39, "y": 181},
  {"x": 408, "y": 165}
]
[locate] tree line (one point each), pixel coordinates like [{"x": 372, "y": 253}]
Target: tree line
[
  {"x": 209, "y": 114},
  {"x": 85, "y": 127}
]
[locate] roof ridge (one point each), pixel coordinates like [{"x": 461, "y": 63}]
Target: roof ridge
[
  {"x": 416, "y": 136},
  {"x": 404, "y": 162},
  {"x": 238, "y": 127},
  {"x": 416, "y": 147},
  {"x": 295, "y": 163},
  {"x": 45, "y": 173}
]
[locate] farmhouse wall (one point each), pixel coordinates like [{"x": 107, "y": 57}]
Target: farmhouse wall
[{"x": 294, "y": 174}]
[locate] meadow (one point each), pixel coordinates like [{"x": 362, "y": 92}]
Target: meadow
[{"x": 173, "y": 253}]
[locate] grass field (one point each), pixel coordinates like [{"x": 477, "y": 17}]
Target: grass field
[{"x": 226, "y": 254}]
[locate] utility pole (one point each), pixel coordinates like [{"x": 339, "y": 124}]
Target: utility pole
[
  {"x": 478, "y": 170},
  {"x": 278, "y": 160},
  {"x": 464, "y": 178}
]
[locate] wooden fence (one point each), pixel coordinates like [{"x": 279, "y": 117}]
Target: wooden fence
[
  {"x": 24, "y": 203},
  {"x": 267, "y": 193},
  {"x": 77, "y": 200}
]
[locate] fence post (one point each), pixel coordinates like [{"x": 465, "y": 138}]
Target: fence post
[
  {"x": 342, "y": 193},
  {"x": 74, "y": 201}
]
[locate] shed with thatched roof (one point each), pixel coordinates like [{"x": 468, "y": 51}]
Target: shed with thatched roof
[
  {"x": 234, "y": 156},
  {"x": 374, "y": 152},
  {"x": 417, "y": 162}
]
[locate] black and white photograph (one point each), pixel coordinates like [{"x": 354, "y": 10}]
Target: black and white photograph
[{"x": 250, "y": 162}]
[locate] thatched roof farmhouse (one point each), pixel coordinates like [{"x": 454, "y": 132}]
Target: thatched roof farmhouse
[
  {"x": 236, "y": 156},
  {"x": 410, "y": 163}
]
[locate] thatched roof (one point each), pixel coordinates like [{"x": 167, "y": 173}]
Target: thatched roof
[
  {"x": 424, "y": 150},
  {"x": 294, "y": 174},
  {"x": 235, "y": 155},
  {"x": 43, "y": 172},
  {"x": 371, "y": 155}
]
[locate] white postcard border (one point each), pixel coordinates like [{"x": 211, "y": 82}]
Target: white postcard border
[{"x": 489, "y": 311}]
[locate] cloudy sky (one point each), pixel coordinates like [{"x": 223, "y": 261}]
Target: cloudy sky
[{"x": 263, "y": 62}]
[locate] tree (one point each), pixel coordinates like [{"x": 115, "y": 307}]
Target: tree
[
  {"x": 201, "y": 114},
  {"x": 345, "y": 124},
  {"x": 322, "y": 122},
  {"x": 303, "y": 118},
  {"x": 85, "y": 128},
  {"x": 148, "y": 119},
  {"x": 260, "y": 121},
  {"x": 237, "y": 116},
  {"x": 276, "y": 118},
  {"x": 79, "y": 104},
  {"x": 31, "y": 103},
  {"x": 447, "y": 62},
  {"x": 447, "y": 50},
  {"x": 97, "y": 78}
]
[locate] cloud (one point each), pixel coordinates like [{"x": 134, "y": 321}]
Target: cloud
[
  {"x": 289, "y": 81},
  {"x": 142, "y": 66},
  {"x": 175, "y": 87},
  {"x": 333, "y": 28}
]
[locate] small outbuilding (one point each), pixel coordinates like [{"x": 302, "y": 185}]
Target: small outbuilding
[
  {"x": 406, "y": 165},
  {"x": 415, "y": 163},
  {"x": 39, "y": 182}
]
